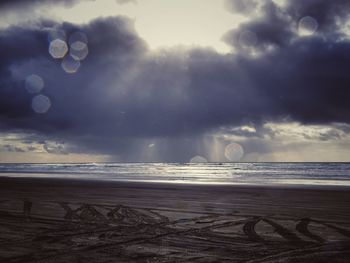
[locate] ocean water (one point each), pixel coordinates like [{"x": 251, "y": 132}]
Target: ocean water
[{"x": 319, "y": 174}]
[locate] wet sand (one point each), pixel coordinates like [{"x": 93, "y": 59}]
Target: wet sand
[{"x": 51, "y": 220}]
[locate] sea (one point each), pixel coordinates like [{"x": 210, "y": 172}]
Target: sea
[{"x": 298, "y": 174}]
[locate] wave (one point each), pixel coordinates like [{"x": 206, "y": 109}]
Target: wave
[{"x": 228, "y": 173}]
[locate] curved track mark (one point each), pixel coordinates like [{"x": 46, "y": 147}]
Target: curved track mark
[
  {"x": 340, "y": 230},
  {"x": 302, "y": 227},
  {"x": 294, "y": 254},
  {"x": 284, "y": 232},
  {"x": 249, "y": 229}
]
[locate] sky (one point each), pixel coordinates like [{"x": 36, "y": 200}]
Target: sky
[{"x": 174, "y": 81}]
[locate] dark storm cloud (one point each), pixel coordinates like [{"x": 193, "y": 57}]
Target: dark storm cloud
[
  {"x": 303, "y": 78},
  {"x": 276, "y": 25},
  {"x": 16, "y": 46},
  {"x": 124, "y": 93},
  {"x": 327, "y": 13},
  {"x": 112, "y": 44}
]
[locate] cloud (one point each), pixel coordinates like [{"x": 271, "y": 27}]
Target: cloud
[
  {"x": 241, "y": 6},
  {"x": 10, "y": 148},
  {"x": 121, "y": 2},
  {"x": 277, "y": 26},
  {"x": 330, "y": 15},
  {"x": 26, "y": 3},
  {"x": 55, "y": 147},
  {"x": 12, "y": 4},
  {"x": 272, "y": 28},
  {"x": 125, "y": 97},
  {"x": 291, "y": 141}
]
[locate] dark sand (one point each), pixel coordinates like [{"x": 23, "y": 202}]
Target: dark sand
[{"x": 44, "y": 220}]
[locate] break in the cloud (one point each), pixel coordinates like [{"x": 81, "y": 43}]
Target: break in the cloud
[
  {"x": 282, "y": 93},
  {"x": 162, "y": 23},
  {"x": 36, "y": 3}
]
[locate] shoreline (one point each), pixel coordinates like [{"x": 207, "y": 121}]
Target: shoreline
[
  {"x": 125, "y": 182},
  {"x": 329, "y": 202}
]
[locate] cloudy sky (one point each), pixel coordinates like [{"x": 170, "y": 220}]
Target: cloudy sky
[{"x": 174, "y": 81}]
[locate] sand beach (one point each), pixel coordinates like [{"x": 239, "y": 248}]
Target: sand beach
[{"x": 58, "y": 220}]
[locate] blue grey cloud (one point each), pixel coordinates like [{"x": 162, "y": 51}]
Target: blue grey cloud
[{"x": 122, "y": 93}]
